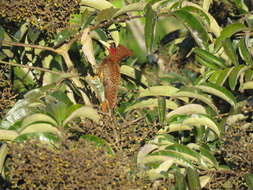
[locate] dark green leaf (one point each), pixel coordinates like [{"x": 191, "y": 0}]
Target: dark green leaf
[
  {"x": 150, "y": 25},
  {"x": 222, "y": 76},
  {"x": 197, "y": 11},
  {"x": 245, "y": 52},
  {"x": 33, "y": 34},
  {"x": 180, "y": 181},
  {"x": 197, "y": 30},
  {"x": 210, "y": 58},
  {"x": 230, "y": 50},
  {"x": 249, "y": 180},
  {"x": 206, "y": 63},
  {"x": 161, "y": 108},
  {"x": 193, "y": 179},
  {"x": 1, "y": 35},
  {"x": 235, "y": 73},
  {"x": 45, "y": 137},
  {"x": 62, "y": 36},
  {"x": 227, "y": 32}
]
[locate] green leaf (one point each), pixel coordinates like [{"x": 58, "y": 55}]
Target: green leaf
[
  {"x": 235, "y": 73},
  {"x": 83, "y": 112},
  {"x": 99, "y": 142},
  {"x": 1, "y": 35},
  {"x": 210, "y": 58},
  {"x": 180, "y": 181},
  {"x": 130, "y": 8},
  {"x": 197, "y": 30},
  {"x": 198, "y": 11},
  {"x": 185, "y": 151},
  {"x": 222, "y": 76},
  {"x": 208, "y": 156},
  {"x": 249, "y": 180},
  {"x": 150, "y": 26},
  {"x": 45, "y": 137},
  {"x": 163, "y": 155},
  {"x": 62, "y": 36},
  {"x": 33, "y": 34},
  {"x": 193, "y": 179},
  {"x": 206, "y": 63},
  {"x": 227, "y": 32},
  {"x": 248, "y": 75},
  {"x": 230, "y": 50},
  {"x": 219, "y": 91},
  {"x": 161, "y": 108},
  {"x": 199, "y": 120},
  {"x": 245, "y": 52},
  {"x": 198, "y": 95}
]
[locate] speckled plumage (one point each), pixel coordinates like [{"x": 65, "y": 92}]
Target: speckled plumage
[{"x": 109, "y": 73}]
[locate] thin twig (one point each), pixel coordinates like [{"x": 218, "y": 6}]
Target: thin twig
[
  {"x": 38, "y": 68},
  {"x": 9, "y": 43}
]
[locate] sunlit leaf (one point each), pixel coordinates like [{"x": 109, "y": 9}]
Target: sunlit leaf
[
  {"x": 87, "y": 47},
  {"x": 36, "y": 117},
  {"x": 187, "y": 109},
  {"x": 158, "y": 91},
  {"x": 247, "y": 85},
  {"x": 163, "y": 167},
  {"x": 204, "y": 180},
  {"x": 206, "y": 63},
  {"x": 218, "y": 91},
  {"x": 133, "y": 73},
  {"x": 151, "y": 103},
  {"x": 198, "y": 95},
  {"x": 40, "y": 128},
  {"x": 3, "y": 154},
  {"x": 199, "y": 120},
  {"x": 7, "y": 135},
  {"x": 98, "y": 4},
  {"x": 130, "y": 8},
  {"x": 83, "y": 112}
]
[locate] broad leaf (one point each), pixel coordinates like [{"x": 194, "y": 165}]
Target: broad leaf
[
  {"x": 193, "y": 179},
  {"x": 187, "y": 109},
  {"x": 235, "y": 73},
  {"x": 210, "y": 58},
  {"x": 197, "y": 30},
  {"x": 45, "y": 137},
  {"x": 219, "y": 91},
  {"x": 158, "y": 91},
  {"x": 244, "y": 51},
  {"x": 227, "y": 32},
  {"x": 150, "y": 26},
  {"x": 83, "y": 112},
  {"x": 247, "y": 85},
  {"x": 230, "y": 51}
]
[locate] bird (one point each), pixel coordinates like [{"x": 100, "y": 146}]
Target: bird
[{"x": 109, "y": 74}]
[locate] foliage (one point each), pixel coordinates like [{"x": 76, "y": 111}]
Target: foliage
[{"x": 189, "y": 73}]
